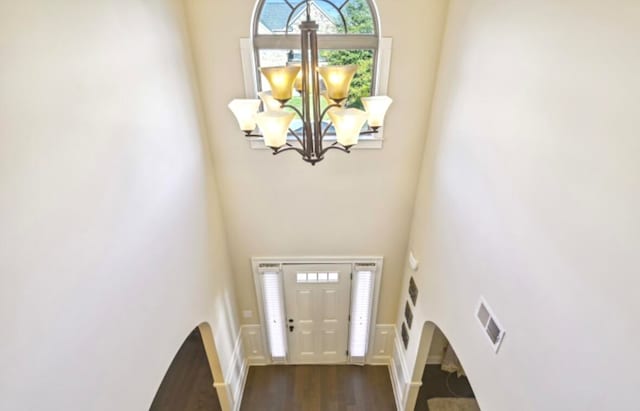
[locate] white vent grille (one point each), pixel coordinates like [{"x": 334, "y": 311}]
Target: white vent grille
[{"x": 490, "y": 325}]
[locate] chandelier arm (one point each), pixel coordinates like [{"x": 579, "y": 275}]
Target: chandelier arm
[
  {"x": 297, "y": 137},
  {"x": 326, "y": 129},
  {"x": 288, "y": 147},
  {"x": 336, "y": 146},
  {"x": 368, "y": 132},
  {"x": 324, "y": 113},
  {"x": 326, "y": 110},
  {"x": 298, "y": 112}
]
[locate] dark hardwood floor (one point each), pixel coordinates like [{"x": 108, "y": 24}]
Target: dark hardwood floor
[
  {"x": 318, "y": 388},
  {"x": 188, "y": 384},
  {"x": 438, "y": 384}
]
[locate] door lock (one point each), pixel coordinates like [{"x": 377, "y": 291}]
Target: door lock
[{"x": 291, "y": 328}]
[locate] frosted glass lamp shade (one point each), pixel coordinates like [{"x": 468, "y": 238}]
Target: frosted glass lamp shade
[
  {"x": 348, "y": 124},
  {"x": 281, "y": 80},
  {"x": 245, "y": 111},
  {"x": 270, "y": 103},
  {"x": 275, "y": 127},
  {"x": 376, "y": 108},
  {"x": 338, "y": 79}
]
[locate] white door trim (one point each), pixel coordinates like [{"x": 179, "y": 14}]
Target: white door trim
[{"x": 277, "y": 262}]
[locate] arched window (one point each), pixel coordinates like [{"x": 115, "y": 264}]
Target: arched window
[{"x": 348, "y": 34}]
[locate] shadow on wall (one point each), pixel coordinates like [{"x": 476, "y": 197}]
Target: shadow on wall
[
  {"x": 188, "y": 383},
  {"x": 445, "y": 386}
]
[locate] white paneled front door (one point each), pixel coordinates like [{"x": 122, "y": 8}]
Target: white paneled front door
[{"x": 317, "y": 301}]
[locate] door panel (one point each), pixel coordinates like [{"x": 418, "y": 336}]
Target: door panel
[{"x": 317, "y": 301}]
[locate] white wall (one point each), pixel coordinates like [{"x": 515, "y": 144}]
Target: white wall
[
  {"x": 529, "y": 195},
  {"x": 358, "y": 204},
  {"x": 111, "y": 247}
]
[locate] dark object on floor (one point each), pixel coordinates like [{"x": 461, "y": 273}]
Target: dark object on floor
[
  {"x": 188, "y": 384},
  {"x": 318, "y": 388},
  {"x": 439, "y": 384}
]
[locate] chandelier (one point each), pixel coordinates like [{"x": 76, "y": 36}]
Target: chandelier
[{"x": 312, "y": 82}]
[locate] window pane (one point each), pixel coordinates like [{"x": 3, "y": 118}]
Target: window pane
[
  {"x": 274, "y": 315},
  {"x": 273, "y": 19},
  {"x": 359, "y": 18},
  {"x": 357, "y": 15},
  {"x": 360, "y": 313}
]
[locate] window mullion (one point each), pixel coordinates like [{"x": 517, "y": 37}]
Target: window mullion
[{"x": 351, "y": 42}]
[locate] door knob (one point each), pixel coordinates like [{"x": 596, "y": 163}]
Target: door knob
[{"x": 290, "y": 320}]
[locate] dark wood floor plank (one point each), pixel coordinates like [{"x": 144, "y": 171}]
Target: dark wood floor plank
[
  {"x": 318, "y": 388},
  {"x": 188, "y": 384},
  {"x": 438, "y": 384}
]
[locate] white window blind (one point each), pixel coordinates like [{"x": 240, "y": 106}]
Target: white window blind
[
  {"x": 362, "y": 300},
  {"x": 274, "y": 314}
]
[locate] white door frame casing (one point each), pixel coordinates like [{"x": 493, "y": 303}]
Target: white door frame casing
[{"x": 278, "y": 262}]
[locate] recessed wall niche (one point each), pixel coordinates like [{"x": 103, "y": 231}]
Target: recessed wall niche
[
  {"x": 405, "y": 336},
  {"x": 413, "y": 291},
  {"x": 408, "y": 314}
]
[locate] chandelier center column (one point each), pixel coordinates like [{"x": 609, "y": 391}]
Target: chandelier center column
[{"x": 311, "y": 90}]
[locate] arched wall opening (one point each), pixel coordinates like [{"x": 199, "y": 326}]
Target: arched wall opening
[
  {"x": 190, "y": 381},
  {"x": 444, "y": 382}
]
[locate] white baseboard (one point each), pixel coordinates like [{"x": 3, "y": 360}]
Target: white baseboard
[{"x": 255, "y": 348}]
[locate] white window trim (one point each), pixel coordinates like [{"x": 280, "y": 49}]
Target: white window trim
[
  {"x": 380, "y": 88},
  {"x": 279, "y": 261}
]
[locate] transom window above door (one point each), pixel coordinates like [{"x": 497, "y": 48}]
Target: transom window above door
[{"x": 318, "y": 277}]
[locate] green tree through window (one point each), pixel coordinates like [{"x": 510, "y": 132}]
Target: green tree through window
[{"x": 359, "y": 20}]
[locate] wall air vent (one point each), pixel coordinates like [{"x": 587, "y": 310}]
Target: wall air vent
[{"x": 490, "y": 325}]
